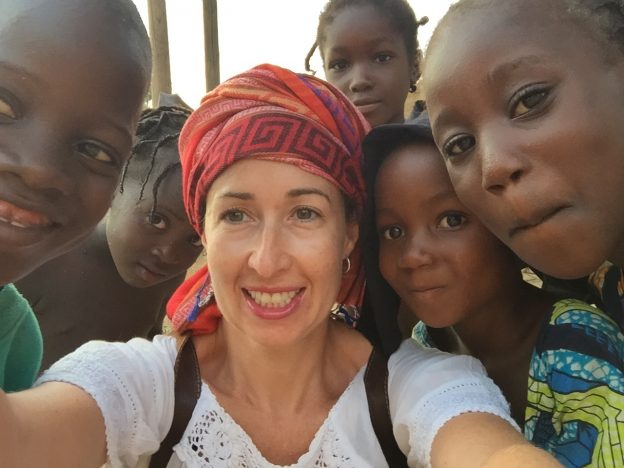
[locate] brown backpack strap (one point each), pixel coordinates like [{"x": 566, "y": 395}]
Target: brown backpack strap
[
  {"x": 187, "y": 387},
  {"x": 376, "y": 384}
]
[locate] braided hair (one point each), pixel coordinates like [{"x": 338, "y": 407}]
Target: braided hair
[
  {"x": 398, "y": 12},
  {"x": 157, "y": 128}
]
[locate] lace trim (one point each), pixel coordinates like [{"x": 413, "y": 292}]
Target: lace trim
[
  {"x": 471, "y": 395},
  {"x": 214, "y": 439}
]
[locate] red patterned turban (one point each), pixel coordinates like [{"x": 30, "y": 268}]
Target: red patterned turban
[{"x": 273, "y": 114}]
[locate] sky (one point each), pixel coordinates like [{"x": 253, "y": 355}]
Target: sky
[{"x": 253, "y": 32}]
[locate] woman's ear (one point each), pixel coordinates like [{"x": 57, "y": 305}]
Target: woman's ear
[{"x": 352, "y": 235}]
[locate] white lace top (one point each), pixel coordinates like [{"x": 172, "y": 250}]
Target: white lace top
[{"x": 132, "y": 384}]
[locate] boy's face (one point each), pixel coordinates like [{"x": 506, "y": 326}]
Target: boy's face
[
  {"x": 69, "y": 98},
  {"x": 150, "y": 248},
  {"x": 529, "y": 115}
]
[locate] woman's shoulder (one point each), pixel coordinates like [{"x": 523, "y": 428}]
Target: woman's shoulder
[
  {"x": 129, "y": 360},
  {"x": 413, "y": 358}
]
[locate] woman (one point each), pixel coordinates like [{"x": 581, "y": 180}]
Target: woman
[{"x": 272, "y": 183}]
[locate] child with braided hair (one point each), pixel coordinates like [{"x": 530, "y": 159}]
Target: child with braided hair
[
  {"x": 525, "y": 99},
  {"x": 115, "y": 284},
  {"x": 370, "y": 52}
]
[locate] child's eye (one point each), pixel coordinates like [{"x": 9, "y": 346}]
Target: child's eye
[
  {"x": 392, "y": 233},
  {"x": 338, "y": 65},
  {"x": 156, "y": 220},
  {"x": 195, "y": 241},
  {"x": 6, "y": 109},
  {"x": 383, "y": 58},
  {"x": 458, "y": 145},
  {"x": 234, "y": 216},
  {"x": 452, "y": 221},
  {"x": 528, "y": 99},
  {"x": 95, "y": 152},
  {"x": 306, "y": 214}
]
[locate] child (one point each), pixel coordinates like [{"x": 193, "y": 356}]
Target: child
[
  {"x": 67, "y": 114},
  {"x": 532, "y": 132},
  {"x": 466, "y": 285},
  {"x": 140, "y": 252},
  {"x": 370, "y": 52}
]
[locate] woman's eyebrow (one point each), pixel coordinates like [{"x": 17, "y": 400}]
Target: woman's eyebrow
[
  {"x": 307, "y": 191},
  {"x": 237, "y": 195}
]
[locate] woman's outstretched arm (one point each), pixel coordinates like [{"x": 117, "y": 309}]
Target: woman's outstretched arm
[
  {"x": 485, "y": 440},
  {"x": 54, "y": 425}
]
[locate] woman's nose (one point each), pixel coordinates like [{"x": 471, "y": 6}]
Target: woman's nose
[{"x": 269, "y": 255}]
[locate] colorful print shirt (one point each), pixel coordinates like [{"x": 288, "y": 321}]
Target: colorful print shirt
[
  {"x": 575, "y": 397},
  {"x": 608, "y": 283}
]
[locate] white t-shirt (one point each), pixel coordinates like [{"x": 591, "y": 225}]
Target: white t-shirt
[{"x": 132, "y": 384}]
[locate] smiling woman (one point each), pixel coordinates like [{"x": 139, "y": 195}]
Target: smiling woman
[{"x": 272, "y": 183}]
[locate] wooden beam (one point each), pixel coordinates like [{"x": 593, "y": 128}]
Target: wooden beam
[
  {"x": 161, "y": 74},
  {"x": 211, "y": 44}
]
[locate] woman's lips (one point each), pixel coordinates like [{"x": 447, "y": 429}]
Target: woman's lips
[{"x": 279, "y": 305}]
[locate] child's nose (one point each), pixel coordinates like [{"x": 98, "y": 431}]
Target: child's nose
[
  {"x": 417, "y": 252},
  {"x": 501, "y": 163},
  {"x": 41, "y": 162},
  {"x": 167, "y": 253},
  {"x": 360, "y": 78}
]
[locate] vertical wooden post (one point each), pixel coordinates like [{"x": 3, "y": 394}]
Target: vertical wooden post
[
  {"x": 161, "y": 76},
  {"x": 211, "y": 44}
]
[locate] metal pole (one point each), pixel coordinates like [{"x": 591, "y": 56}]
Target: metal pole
[
  {"x": 211, "y": 44},
  {"x": 161, "y": 75}
]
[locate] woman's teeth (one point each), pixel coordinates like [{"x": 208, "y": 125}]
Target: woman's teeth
[{"x": 272, "y": 299}]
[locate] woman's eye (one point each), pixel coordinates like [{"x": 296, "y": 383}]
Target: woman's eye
[
  {"x": 6, "y": 110},
  {"x": 156, "y": 220},
  {"x": 528, "y": 99},
  {"x": 234, "y": 216},
  {"x": 195, "y": 241},
  {"x": 306, "y": 214},
  {"x": 392, "y": 233},
  {"x": 452, "y": 221},
  {"x": 95, "y": 152},
  {"x": 383, "y": 58},
  {"x": 458, "y": 145}
]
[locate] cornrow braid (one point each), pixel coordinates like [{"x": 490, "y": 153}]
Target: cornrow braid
[
  {"x": 398, "y": 12},
  {"x": 157, "y": 128},
  {"x": 163, "y": 175}
]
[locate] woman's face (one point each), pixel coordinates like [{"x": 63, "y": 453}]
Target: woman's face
[
  {"x": 528, "y": 113},
  {"x": 276, "y": 237},
  {"x": 442, "y": 262}
]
